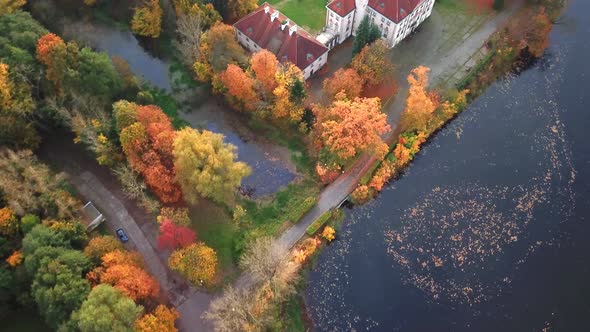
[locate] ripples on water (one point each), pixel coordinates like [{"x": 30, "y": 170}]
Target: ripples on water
[{"x": 461, "y": 242}]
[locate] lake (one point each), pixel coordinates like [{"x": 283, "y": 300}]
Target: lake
[{"x": 487, "y": 229}]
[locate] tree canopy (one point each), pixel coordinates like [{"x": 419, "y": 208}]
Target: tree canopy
[{"x": 205, "y": 165}]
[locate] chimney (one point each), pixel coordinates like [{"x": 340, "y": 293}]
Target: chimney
[
  {"x": 266, "y": 9},
  {"x": 284, "y": 24},
  {"x": 292, "y": 30},
  {"x": 274, "y": 15}
]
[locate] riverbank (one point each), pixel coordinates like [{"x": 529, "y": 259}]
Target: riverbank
[
  {"x": 388, "y": 167},
  {"x": 483, "y": 232}
]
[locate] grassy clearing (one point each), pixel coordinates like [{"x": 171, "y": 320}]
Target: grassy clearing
[
  {"x": 310, "y": 14},
  {"x": 266, "y": 218},
  {"x": 215, "y": 227}
]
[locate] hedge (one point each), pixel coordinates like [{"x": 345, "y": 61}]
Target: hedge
[
  {"x": 297, "y": 213},
  {"x": 313, "y": 228}
]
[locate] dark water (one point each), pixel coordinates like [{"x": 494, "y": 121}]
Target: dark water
[
  {"x": 488, "y": 229},
  {"x": 271, "y": 168}
]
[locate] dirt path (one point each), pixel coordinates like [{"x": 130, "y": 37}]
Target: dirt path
[{"x": 95, "y": 183}]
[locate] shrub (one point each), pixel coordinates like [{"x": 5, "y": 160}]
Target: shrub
[
  {"x": 179, "y": 216},
  {"x": 313, "y": 228}
]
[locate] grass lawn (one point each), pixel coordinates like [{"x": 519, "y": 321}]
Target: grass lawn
[
  {"x": 309, "y": 14},
  {"x": 215, "y": 227}
]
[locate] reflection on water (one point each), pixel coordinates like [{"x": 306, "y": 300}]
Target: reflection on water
[{"x": 470, "y": 237}]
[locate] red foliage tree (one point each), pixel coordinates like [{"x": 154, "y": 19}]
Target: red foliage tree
[
  {"x": 148, "y": 147},
  {"x": 173, "y": 236}
]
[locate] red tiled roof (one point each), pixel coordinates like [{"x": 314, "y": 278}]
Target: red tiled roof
[
  {"x": 395, "y": 10},
  {"x": 300, "y": 48},
  {"x": 342, "y": 7}
]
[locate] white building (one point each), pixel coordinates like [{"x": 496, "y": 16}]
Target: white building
[
  {"x": 267, "y": 28},
  {"x": 395, "y": 18}
]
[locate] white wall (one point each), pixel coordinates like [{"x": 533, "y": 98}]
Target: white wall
[
  {"x": 315, "y": 66},
  {"x": 341, "y": 26}
]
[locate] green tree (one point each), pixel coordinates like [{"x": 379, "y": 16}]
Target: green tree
[
  {"x": 29, "y": 221},
  {"x": 297, "y": 92},
  {"x": 58, "y": 287},
  {"x": 205, "y": 166},
  {"x": 106, "y": 309},
  {"x": 366, "y": 34},
  {"x": 98, "y": 76}
]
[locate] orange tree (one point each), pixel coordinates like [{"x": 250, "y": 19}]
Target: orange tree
[
  {"x": 160, "y": 320},
  {"x": 348, "y": 127}
]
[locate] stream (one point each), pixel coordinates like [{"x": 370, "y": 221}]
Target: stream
[{"x": 270, "y": 163}]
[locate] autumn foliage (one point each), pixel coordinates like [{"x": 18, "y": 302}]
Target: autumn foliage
[
  {"x": 160, "y": 320},
  {"x": 344, "y": 80},
  {"x": 420, "y": 105},
  {"x": 8, "y": 6},
  {"x": 240, "y": 86},
  {"x": 173, "y": 236},
  {"x": 372, "y": 64},
  {"x": 265, "y": 65},
  {"x": 101, "y": 245},
  {"x": 147, "y": 143},
  {"x": 49, "y": 48},
  {"x": 197, "y": 262},
  {"x": 8, "y": 222},
  {"x": 348, "y": 127},
  {"x": 147, "y": 19},
  {"x": 15, "y": 259},
  {"x": 126, "y": 275}
]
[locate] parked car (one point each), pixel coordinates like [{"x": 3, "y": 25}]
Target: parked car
[{"x": 122, "y": 236}]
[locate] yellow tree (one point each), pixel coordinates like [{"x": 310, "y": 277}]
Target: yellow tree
[
  {"x": 6, "y": 87},
  {"x": 419, "y": 105},
  {"x": 147, "y": 19},
  {"x": 160, "y": 320},
  {"x": 287, "y": 104},
  {"x": 197, "y": 262},
  {"x": 206, "y": 166},
  {"x": 8, "y": 6},
  {"x": 348, "y": 127},
  {"x": 265, "y": 65},
  {"x": 239, "y": 8},
  {"x": 373, "y": 64}
]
